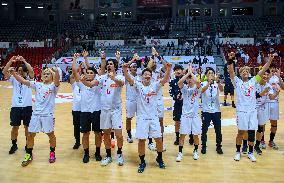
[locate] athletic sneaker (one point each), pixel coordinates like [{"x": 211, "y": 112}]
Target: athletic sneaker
[
  {"x": 76, "y": 146},
  {"x": 219, "y": 150},
  {"x": 245, "y": 149},
  {"x": 106, "y": 161},
  {"x": 13, "y": 149},
  {"x": 251, "y": 157},
  {"x": 225, "y": 104},
  {"x": 176, "y": 142},
  {"x": 52, "y": 157},
  {"x": 129, "y": 139},
  {"x": 27, "y": 160},
  {"x": 113, "y": 142},
  {"x": 195, "y": 155},
  {"x": 161, "y": 163},
  {"x": 164, "y": 147},
  {"x": 262, "y": 145},
  {"x": 179, "y": 157},
  {"x": 203, "y": 149},
  {"x": 86, "y": 158},
  {"x": 237, "y": 156},
  {"x": 152, "y": 146},
  {"x": 273, "y": 145},
  {"x": 233, "y": 105},
  {"x": 120, "y": 159},
  {"x": 98, "y": 157},
  {"x": 258, "y": 150},
  {"x": 141, "y": 167}
]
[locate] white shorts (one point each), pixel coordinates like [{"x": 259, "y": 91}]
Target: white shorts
[
  {"x": 190, "y": 125},
  {"x": 40, "y": 123},
  {"x": 274, "y": 111},
  {"x": 263, "y": 114},
  {"x": 147, "y": 128},
  {"x": 161, "y": 108},
  {"x": 247, "y": 120},
  {"x": 131, "y": 108},
  {"x": 111, "y": 119}
]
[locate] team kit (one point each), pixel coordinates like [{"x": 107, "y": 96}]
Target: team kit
[{"x": 97, "y": 106}]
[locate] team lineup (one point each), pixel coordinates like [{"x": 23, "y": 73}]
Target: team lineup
[{"x": 97, "y": 106}]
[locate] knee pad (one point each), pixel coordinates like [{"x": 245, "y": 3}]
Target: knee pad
[
  {"x": 260, "y": 129},
  {"x": 251, "y": 135}
]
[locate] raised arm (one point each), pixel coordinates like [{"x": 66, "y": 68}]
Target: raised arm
[
  {"x": 74, "y": 69},
  {"x": 20, "y": 78},
  {"x": 220, "y": 86},
  {"x": 29, "y": 67},
  {"x": 126, "y": 74},
  {"x": 117, "y": 81},
  {"x": 167, "y": 74},
  {"x": 230, "y": 64},
  {"x": 7, "y": 67},
  {"x": 85, "y": 55},
  {"x": 89, "y": 84},
  {"x": 117, "y": 56},
  {"x": 275, "y": 95},
  {"x": 56, "y": 77},
  {"x": 103, "y": 63},
  {"x": 266, "y": 66},
  {"x": 281, "y": 83}
]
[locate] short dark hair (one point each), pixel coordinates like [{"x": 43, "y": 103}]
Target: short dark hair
[
  {"x": 268, "y": 71},
  {"x": 147, "y": 69},
  {"x": 272, "y": 65},
  {"x": 115, "y": 62},
  {"x": 177, "y": 67},
  {"x": 24, "y": 67},
  {"x": 209, "y": 69},
  {"x": 92, "y": 69}
]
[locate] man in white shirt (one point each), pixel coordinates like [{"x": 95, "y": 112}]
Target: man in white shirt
[
  {"x": 42, "y": 119},
  {"x": 21, "y": 109},
  {"x": 211, "y": 109},
  {"x": 90, "y": 109},
  {"x": 246, "y": 104},
  {"x": 277, "y": 83},
  {"x": 147, "y": 123},
  {"x": 190, "y": 119}
]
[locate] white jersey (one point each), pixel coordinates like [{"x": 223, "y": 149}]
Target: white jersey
[
  {"x": 22, "y": 94},
  {"x": 274, "y": 82},
  {"x": 111, "y": 92},
  {"x": 131, "y": 93},
  {"x": 157, "y": 75},
  {"x": 44, "y": 98},
  {"x": 190, "y": 96},
  {"x": 147, "y": 99},
  {"x": 210, "y": 98},
  {"x": 246, "y": 94},
  {"x": 259, "y": 88},
  {"x": 76, "y": 97},
  {"x": 90, "y": 98}
]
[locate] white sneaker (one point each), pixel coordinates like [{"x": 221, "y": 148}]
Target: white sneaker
[
  {"x": 152, "y": 146},
  {"x": 251, "y": 157},
  {"x": 129, "y": 140},
  {"x": 195, "y": 155},
  {"x": 164, "y": 147},
  {"x": 120, "y": 159},
  {"x": 179, "y": 157},
  {"x": 262, "y": 145},
  {"x": 237, "y": 156},
  {"x": 106, "y": 161}
]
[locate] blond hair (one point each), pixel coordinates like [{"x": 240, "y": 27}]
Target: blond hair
[
  {"x": 245, "y": 68},
  {"x": 50, "y": 71},
  {"x": 150, "y": 64}
]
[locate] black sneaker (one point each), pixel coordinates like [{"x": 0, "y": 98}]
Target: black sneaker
[
  {"x": 98, "y": 157},
  {"x": 245, "y": 149},
  {"x": 141, "y": 167},
  {"x": 161, "y": 163},
  {"x": 76, "y": 146},
  {"x": 26, "y": 147},
  {"x": 233, "y": 105},
  {"x": 219, "y": 150},
  {"x": 225, "y": 104},
  {"x": 203, "y": 149},
  {"x": 258, "y": 150},
  {"x": 86, "y": 158},
  {"x": 13, "y": 149},
  {"x": 176, "y": 142}
]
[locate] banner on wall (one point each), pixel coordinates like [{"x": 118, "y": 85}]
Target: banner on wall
[
  {"x": 106, "y": 43},
  {"x": 172, "y": 59},
  {"x": 161, "y": 42},
  {"x": 154, "y": 3},
  {"x": 26, "y": 44},
  {"x": 236, "y": 40},
  {"x": 4, "y": 44}
]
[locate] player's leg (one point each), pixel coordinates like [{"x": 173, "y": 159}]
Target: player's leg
[
  {"x": 206, "y": 119},
  {"x": 15, "y": 122},
  {"x": 216, "y": 119}
]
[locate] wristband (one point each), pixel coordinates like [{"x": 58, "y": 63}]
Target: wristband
[
  {"x": 159, "y": 57},
  {"x": 258, "y": 78}
]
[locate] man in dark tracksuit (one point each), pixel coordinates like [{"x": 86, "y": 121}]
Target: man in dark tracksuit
[{"x": 229, "y": 88}]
